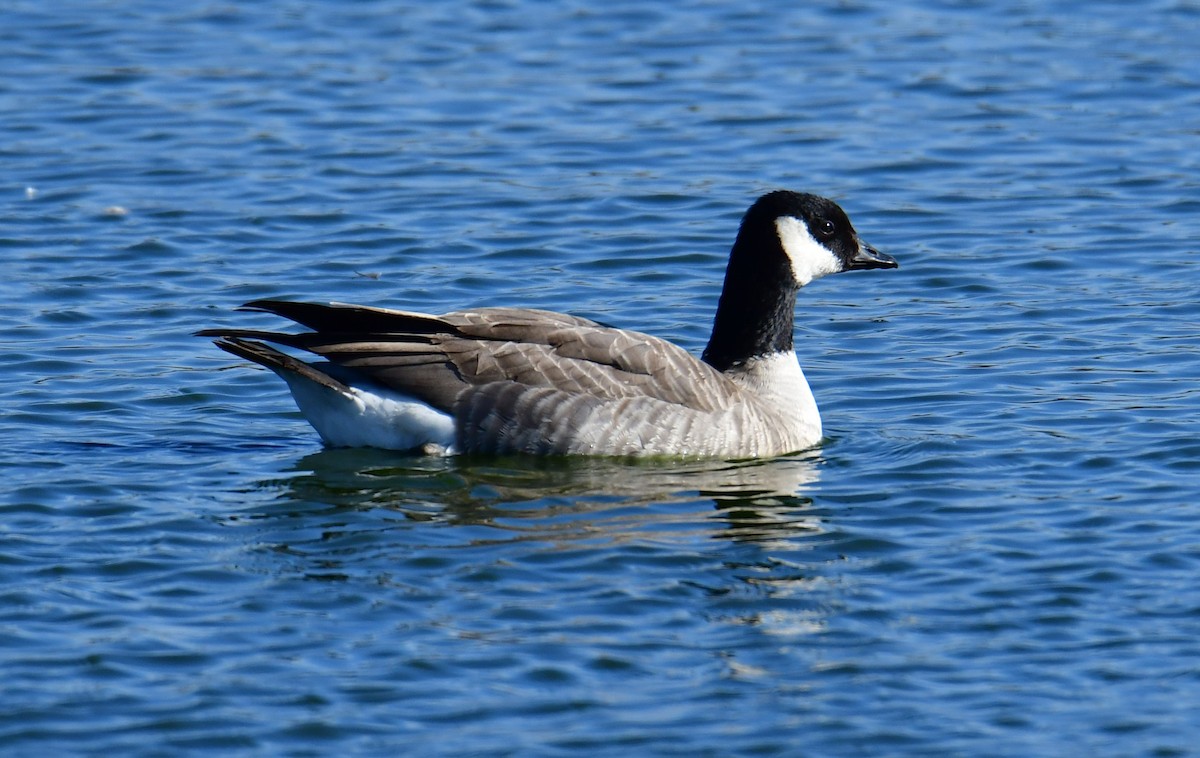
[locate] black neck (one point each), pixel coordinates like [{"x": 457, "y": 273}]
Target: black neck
[{"x": 757, "y": 307}]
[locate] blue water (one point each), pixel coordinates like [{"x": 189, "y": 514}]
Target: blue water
[{"x": 997, "y": 552}]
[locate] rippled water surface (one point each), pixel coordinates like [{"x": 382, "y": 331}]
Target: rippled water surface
[{"x": 996, "y": 552}]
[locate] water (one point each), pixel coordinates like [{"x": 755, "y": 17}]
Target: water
[{"x": 995, "y": 553}]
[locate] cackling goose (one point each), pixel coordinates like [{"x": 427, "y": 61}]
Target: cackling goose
[{"x": 515, "y": 380}]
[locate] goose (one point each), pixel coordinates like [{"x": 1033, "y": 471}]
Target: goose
[{"x": 505, "y": 380}]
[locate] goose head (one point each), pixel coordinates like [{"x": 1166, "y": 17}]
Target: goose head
[
  {"x": 786, "y": 240},
  {"x": 813, "y": 233}
]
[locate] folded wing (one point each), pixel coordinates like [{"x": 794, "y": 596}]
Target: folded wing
[{"x": 437, "y": 358}]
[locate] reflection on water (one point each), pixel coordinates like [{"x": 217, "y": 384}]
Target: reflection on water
[
  {"x": 613, "y": 542},
  {"x": 562, "y": 499}
]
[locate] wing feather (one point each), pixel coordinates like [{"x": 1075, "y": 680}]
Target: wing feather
[{"x": 436, "y": 358}]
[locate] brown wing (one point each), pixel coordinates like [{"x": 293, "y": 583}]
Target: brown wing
[{"x": 434, "y": 358}]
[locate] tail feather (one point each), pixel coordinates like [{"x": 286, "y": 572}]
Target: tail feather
[{"x": 279, "y": 362}]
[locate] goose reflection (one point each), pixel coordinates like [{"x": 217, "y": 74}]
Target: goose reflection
[{"x": 567, "y": 498}]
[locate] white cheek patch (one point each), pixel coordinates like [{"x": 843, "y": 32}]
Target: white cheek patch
[{"x": 810, "y": 259}]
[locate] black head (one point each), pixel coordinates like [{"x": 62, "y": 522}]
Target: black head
[
  {"x": 787, "y": 239},
  {"x": 813, "y": 232}
]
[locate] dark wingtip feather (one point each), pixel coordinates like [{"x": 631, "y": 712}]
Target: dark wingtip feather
[{"x": 343, "y": 319}]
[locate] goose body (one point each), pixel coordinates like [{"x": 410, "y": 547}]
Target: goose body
[{"x": 512, "y": 380}]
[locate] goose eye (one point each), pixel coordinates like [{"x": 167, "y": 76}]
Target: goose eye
[{"x": 825, "y": 227}]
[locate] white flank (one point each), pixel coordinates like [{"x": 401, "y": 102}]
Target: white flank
[
  {"x": 810, "y": 259},
  {"x": 372, "y": 416}
]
